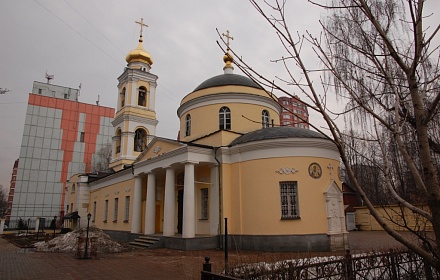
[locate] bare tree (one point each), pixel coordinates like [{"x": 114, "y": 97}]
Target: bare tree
[
  {"x": 3, "y": 201},
  {"x": 101, "y": 158},
  {"x": 380, "y": 61}
]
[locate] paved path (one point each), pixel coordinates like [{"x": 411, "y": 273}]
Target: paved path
[{"x": 16, "y": 263}]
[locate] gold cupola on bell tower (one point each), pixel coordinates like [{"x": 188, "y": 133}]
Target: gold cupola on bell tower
[{"x": 135, "y": 121}]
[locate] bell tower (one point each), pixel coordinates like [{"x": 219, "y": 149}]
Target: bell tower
[{"x": 135, "y": 120}]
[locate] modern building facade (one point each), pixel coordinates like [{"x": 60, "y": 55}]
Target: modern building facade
[
  {"x": 11, "y": 190},
  {"x": 277, "y": 186},
  {"x": 61, "y": 137},
  {"x": 294, "y": 112}
]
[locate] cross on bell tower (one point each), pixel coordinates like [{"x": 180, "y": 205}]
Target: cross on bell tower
[{"x": 141, "y": 23}]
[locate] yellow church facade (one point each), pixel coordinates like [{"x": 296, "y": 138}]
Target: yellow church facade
[{"x": 277, "y": 187}]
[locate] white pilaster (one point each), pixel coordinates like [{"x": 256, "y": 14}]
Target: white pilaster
[
  {"x": 152, "y": 103},
  {"x": 82, "y": 199},
  {"x": 169, "y": 221},
  {"x": 150, "y": 209},
  {"x": 130, "y": 142},
  {"x": 214, "y": 202},
  {"x": 137, "y": 206},
  {"x": 133, "y": 95},
  {"x": 189, "y": 214}
]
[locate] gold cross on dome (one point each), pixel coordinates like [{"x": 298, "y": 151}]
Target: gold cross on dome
[
  {"x": 141, "y": 23},
  {"x": 227, "y": 38}
]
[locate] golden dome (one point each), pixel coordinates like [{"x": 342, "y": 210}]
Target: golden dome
[
  {"x": 228, "y": 59},
  {"x": 139, "y": 54}
]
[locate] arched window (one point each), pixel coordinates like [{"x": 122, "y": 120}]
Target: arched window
[
  {"x": 140, "y": 140},
  {"x": 265, "y": 118},
  {"x": 142, "y": 98},
  {"x": 225, "y": 118},
  {"x": 122, "y": 97},
  {"x": 118, "y": 141},
  {"x": 188, "y": 125}
]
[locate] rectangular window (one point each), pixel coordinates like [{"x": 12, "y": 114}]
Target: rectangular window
[
  {"x": 71, "y": 207},
  {"x": 105, "y": 211},
  {"x": 81, "y": 137},
  {"x": 67, "y": 209},
  {"x": 204, "y": 210},
  {"x": 127, "y": 209},
  {"x": 94, "y": 211},
  {"x": 289, "y": 200},
  {"x": 286, "y": 117},
  {"x": 115, "y": 214},
  {"x": 40, "y": 91}
]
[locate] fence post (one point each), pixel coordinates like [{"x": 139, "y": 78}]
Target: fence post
[
  {"x": 348, "y": 266},
  {"x": 206, "y": 267}
]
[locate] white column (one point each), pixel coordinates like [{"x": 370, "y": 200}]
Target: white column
[
  {"x": 37, "y": 223},
  {"x": 169, "y": 222},
  {"x": 152, "y": 101},
  {"x": 150, "y": 209},
  {"x": 214, "y": 202},
  {"x": 134, "y": 94},
  {"x": 189, "y": 214},
  {"x": 137, "y": 205},
  {"x": 82, "y": 199}
]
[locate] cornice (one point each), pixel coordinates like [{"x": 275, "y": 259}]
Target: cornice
[{"x": 226, "y": 97}]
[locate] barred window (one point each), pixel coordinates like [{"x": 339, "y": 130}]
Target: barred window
[
  {"x": 204, "y": 204},
  {"x": 127, "y": 209},
  {"x": 289, "y": 200},
  {"x": 115, "y": 214},
  {"x": 106, "y": 210}
]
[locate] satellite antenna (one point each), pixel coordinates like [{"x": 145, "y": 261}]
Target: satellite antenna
[
  {"x": 4, "y": 90},
  {"x": 49, "y": 77},
  {"x": 97, "y": 101}
]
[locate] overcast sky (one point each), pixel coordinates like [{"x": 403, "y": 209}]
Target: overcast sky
[{"x": 85, "y": 42}]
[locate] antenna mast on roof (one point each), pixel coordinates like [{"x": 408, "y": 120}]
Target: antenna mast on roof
[
  {"x": 49, "y": 77},
  {"x": 97, "y": 101}
]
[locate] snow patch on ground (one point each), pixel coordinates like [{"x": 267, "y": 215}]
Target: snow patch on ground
[{"x": 69, "y": 242}]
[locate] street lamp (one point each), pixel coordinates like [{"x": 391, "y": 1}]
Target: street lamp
[{"x": 87, "y": 236}]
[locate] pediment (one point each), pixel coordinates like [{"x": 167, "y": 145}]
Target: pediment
[{"x": 159, "y": 146}]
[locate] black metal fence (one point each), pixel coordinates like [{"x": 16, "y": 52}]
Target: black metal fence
[
  {"x": 25, "y": 224},
  {"x": 388, "y": 265}
]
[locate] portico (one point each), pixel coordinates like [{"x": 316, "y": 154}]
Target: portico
[{"x": 173, "y": 182}]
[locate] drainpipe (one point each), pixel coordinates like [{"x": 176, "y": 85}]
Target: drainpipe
[{"x": 220, "y": 197}]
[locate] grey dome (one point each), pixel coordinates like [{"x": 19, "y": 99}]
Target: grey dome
[
  {"x": 227, "y": 80},
  {"x": 276, "y": 133}
]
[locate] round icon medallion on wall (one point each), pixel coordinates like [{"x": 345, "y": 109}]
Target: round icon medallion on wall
[{"x": 315, "y": 170}]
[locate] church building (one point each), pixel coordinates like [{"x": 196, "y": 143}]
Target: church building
[{"x": 277, "y": 187}]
